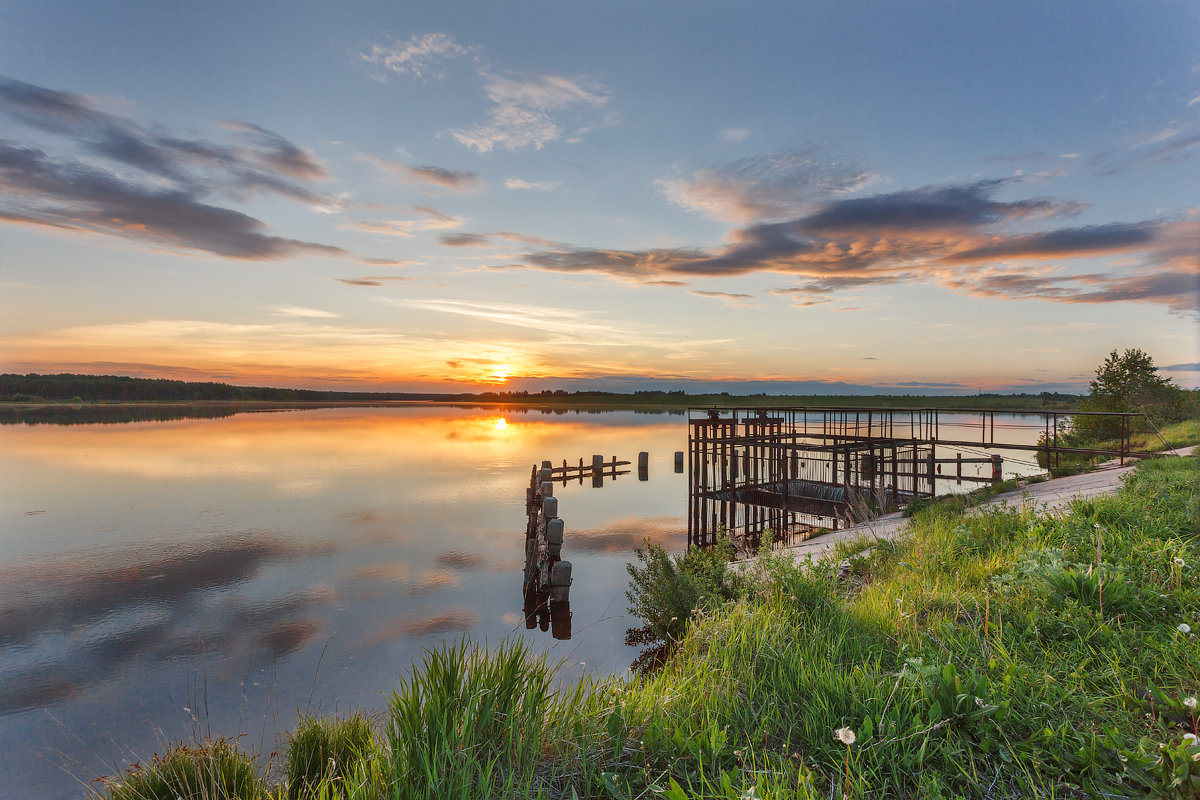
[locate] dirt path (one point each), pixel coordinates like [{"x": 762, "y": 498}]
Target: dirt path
[{"x": 1051, "y": 495}]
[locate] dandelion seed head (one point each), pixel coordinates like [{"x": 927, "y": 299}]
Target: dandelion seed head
[
  {"x": 1179, "y": 562},
  {"x": 845, "y": 735},
  {"x": 1184, "y": 628},
  {"x": 1190, "y": 702}
]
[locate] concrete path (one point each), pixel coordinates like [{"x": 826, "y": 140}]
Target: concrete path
[{"x": 1051, "y": 495}]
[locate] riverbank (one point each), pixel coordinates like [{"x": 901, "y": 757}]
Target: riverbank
[{"x": 1002, "y": 652}]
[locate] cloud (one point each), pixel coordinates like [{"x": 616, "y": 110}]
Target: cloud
[
  {"x": 73, "y": 196},
  {"x": 959, "y": 236},
  {"x": 541, "y": 186},
  {"x": 421, "y": 58},
  {"x": 428, "y": 219},
  {"x": 426, "y": 177},
  {"x": 257, "y": 160},
  {"x": 465, "y": 240},
  {"x": 304, "y": 313},
  {"x": 774, "y": 186},
  {"x": 371, "y": 280},
  {"x": 928, "y": 209},
  {"x": 150, "y": 186},
  {"x": 733, "y": 299},
  {"x": 1193, "y": 367},
  {"x": 734, "y": 134},
  {"x": 525, "y": 111}
]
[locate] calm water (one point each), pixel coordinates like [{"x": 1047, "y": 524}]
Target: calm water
[{"x": 164, "y": 580}]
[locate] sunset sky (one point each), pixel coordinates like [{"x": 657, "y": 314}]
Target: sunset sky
[{"x": 765, "y": 196}]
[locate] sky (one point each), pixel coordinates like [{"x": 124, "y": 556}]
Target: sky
[{"x": 819, "y": 197}]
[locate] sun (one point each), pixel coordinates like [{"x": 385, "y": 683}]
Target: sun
[{"x": 499, "y": 374}]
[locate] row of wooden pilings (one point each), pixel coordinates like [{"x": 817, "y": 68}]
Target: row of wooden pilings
[{"x": 546, "y": 579}]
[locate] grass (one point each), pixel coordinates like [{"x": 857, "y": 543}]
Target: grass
[{"x": 990, "y": 653}]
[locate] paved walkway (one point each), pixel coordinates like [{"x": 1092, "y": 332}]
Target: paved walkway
[{"x": 1051, "y": 495}]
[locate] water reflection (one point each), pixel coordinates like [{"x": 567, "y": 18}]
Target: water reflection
[{"x": 286, "y": 562}]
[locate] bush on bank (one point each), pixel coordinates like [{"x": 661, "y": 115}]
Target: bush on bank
[{"x": 994, "y": 653}]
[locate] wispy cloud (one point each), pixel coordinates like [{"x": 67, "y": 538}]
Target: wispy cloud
[
  {"x": 426, "y": 177},
  {"x": 465, "y": 240},
  {"x": 427, "y": 219},
  {"x": 734, "y": 134},
  {"x": 541, "y": 186},
  {"x": 423, "y": 57},
  {"x": 304, "y": 313},
  {"x": 767, "y": 187},
  {"x": 527, "y": 111},
  {"x": 731, "y": 298},
  {"x": 371, "y": 280}
]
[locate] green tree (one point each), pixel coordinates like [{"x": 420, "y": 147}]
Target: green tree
[{"x": 1129, "y": 382}]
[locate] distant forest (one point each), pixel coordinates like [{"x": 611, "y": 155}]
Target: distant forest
[{"x": 68, "y": 388}]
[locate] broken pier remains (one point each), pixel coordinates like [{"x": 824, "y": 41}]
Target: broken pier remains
[{"x": 796, "y": 471}]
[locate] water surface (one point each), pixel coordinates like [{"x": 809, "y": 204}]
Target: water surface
[{"x": 164, "y": 580}]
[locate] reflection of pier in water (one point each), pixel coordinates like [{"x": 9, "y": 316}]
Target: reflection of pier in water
[{"x": 796, "y": 471}]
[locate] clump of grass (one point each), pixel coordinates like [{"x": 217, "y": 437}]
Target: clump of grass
[
  {"x": 326, "y": 751},
  {"x": 218, "y": 770},
  {"x": 469, "y": 722}
]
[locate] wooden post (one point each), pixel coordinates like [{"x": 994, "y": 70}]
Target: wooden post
[
  {"x": 643, "y": 466},
  {"x": 958, "y": 457},
  {"x": 597, "y": 471}
]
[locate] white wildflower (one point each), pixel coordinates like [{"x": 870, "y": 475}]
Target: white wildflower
[
  {"x": 1184, "y": 628},
  {"x": 845, "y": 736},
  {"x": 1179, "y": 562},
  {"x": 1190, "y": 702}
]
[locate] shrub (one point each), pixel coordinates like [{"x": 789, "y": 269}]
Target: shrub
[{"x": 666, "y": 589}]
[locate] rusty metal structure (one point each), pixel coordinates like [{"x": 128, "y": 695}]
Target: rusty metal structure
[{"x": 796, "y": 471}]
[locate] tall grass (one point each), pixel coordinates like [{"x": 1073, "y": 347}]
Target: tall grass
[
  {"x": 325, "y": 752},
  {"x": 474, "y": 723}
]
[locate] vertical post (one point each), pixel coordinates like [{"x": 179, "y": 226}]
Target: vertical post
[
  {"x": 643, "y": 466},
  {"x": 958, "y": 458},
  {"x": 597, "y": 471}
]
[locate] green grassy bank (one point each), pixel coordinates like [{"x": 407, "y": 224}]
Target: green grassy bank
[{"x": 991, "y": 654}]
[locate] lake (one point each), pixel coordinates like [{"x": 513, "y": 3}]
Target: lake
[{"x": 161, "y": 581}]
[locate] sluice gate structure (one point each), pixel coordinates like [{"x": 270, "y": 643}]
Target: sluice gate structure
[{"x": 800, "y": 470}]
